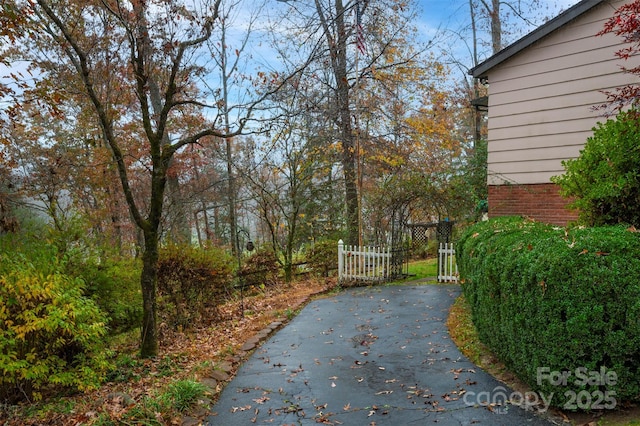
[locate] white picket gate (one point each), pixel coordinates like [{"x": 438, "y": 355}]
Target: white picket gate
[
  {"x": 447, "y": 267},
  {"x": 357, "y": 263}
]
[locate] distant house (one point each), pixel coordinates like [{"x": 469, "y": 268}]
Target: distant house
[{"x": 541, "y": 92}]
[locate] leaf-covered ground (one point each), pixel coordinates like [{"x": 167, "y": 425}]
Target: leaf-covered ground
[
  {"x": 131, "y": 395},
  {"x": 194, "y": 353}
]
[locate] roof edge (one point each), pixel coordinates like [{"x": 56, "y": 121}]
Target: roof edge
[{"x": 480, "y": 70}]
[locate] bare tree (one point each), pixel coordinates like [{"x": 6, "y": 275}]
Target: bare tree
[{"x": 348, "y": 41}]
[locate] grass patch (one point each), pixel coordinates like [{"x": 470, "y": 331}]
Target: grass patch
[
  {"x": 421, "y": 269},
  {"x": 463, "y": 332},
  {"x": 183, "y": 394}
]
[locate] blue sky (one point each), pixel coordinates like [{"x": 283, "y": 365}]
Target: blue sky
[
  {"x": 446, "y": 20},
  {"x": 450, "y": 18}
]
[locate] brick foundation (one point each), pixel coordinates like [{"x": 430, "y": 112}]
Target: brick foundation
[{"x": 541, "y": 202}]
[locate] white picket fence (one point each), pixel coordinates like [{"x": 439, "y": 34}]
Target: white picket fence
[
  {"x": 357, "y": 263},
  {"x": 447, "y": 267}
]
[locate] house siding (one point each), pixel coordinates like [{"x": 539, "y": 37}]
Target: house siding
[{"x": 541, "y": 99}]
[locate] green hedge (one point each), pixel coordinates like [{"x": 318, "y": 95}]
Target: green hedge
[{"x": 558, "y": 299}]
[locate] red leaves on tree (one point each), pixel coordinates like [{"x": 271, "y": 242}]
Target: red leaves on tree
[{"x": 624, "y": 23}]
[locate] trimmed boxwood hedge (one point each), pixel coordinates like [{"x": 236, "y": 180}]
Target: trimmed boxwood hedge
[{"x": 557, "y": 298}]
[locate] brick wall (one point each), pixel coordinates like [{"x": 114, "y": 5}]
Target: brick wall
[{"x": 541, "y": 202}]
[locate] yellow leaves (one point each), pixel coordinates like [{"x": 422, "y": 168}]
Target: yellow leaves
[
  {"x": 41, "y": 315},
  {"x": 21, "y": 331},
  {"x": 389, "y": 160}
]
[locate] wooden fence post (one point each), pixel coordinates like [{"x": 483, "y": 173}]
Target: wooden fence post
[{"x": 340, "y": 259}]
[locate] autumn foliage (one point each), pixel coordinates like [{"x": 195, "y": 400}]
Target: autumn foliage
[
  {"x": 192, "y": 282},
  {"x": 261, "y": 269},
  {"x": 625, "y": 23}
]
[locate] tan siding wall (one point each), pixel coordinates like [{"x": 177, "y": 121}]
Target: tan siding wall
[{"x": 540, "y": 100}]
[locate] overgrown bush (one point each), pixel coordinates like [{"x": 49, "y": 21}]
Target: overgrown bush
[
  {"x": 110, "y": 280},
  {"x": 323, "y": 257},
  {"x": 261, "y": 268},
  {"x": 50, "y": 333},
  {"x": 605, "y": 178},
  {"x": 557, "y": 299},
  {"x": 192, "y": 282},
  {"x": 114, "y": 284}
]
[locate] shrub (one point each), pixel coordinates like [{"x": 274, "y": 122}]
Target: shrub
[
  {"x": 605, "y": 178},
  {"x": 50, "y": 333},
  {"x": 191, "y": 281},
  {"x": 261, "y": 269},
  {"x": 555, "y": 298},
  {"x": 323, "y": 257},
  {"x": 114, "y": 284}
]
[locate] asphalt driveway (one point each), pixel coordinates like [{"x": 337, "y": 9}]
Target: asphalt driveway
[{"x": 368, "y": 356}]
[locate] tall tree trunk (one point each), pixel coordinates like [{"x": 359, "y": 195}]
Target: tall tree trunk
[
  {"x": 496, "y": 26},
  {"x": 150, "y": 227},
  {"x": 338, "y": 55},
  {"x": 350, "y": 185},
  {"x": 179, "y": 228},
  {"x": 231, "y": 197},
  {"x": 148, "y": 281},
  {"x": 231, "y": 183}
]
